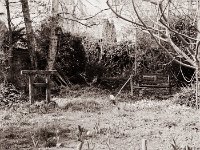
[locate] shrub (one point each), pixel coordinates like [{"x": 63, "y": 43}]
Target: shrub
[
  {"x": 10, "y": 95},
  {"x": 186, "y": 96},
  {"x": 70, "y": 59}
]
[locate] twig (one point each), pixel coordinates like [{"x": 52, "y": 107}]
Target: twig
[
  {"x": 88, "y": 144},
  {"x": 108, "y": 141},
  {"x": 80, "y": 138},
  {"x": 80, "y": 146},
  {"x": 35, "y": 143},
  {"x": 108, "y": 145}
]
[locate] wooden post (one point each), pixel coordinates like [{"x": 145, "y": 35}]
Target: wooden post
[
  {"x": 131, "y": 84},
  {"x": 170, "y": 86},
  {"x": 101, "y": 50},
  {"x": 48, "y": 90},
  {"x": 31, "y": 90},
  {"x": 144, "y": 144},
  {"x": 31, "y": 74},
  {"x": 135, "y": 64}
]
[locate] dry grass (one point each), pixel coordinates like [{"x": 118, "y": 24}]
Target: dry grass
[{"x": 105, "y": 126}]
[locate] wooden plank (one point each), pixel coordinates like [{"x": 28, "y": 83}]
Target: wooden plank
[
  {"x": 48, "y": 90},
  {"x": 139, "y": 87},
  {"x": 149, "y": 77},
  {"x": 31, "y": 90},
  {"x": 155, "y": 86},
  {"x": 154, "y": 81},
  {"x": 43, "y": 72},
  {"x": 40, "y": 84}
]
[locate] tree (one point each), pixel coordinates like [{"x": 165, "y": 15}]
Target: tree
[
  {"x": 109, "y": 32},
  {"x": 10, "y": 45},
  {"x": 3, "y": 55},
  {"x": 53, "y": 37},
  {"x": 3, "y": 30},
  {"x": 31, "y": 42},
  {"x": 162, "y": 30}
]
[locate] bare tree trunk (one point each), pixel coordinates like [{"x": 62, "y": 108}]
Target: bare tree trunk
[
  {"x": 29, "y": 32},
  {"x": 10, "y": 72},
  {"x": 198, "y": 55},
  {"x": 54, "y": 39}
]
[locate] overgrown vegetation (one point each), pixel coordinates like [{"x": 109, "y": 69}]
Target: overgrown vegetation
[
  {"x": 186, "y": 97},
  {"x": 70, "y": 57},
  {"x": 103, "y": 124},
  {"x": 83, "y": 117}
]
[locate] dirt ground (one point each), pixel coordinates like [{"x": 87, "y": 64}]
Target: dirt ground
[{"x": 106, "y": 124}]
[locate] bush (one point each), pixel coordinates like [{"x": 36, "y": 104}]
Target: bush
[
  {"x": 186, "y": 96},
  {"x": 10, "y": 95},
  {"x": 70, "y": 59},
  {"x": 116, "y": 59}
]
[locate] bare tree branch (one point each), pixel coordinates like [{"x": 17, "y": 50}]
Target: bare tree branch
[
  {"x": 191, "y": 63},
  {"x": 174, "y": 31},
  {"x": 138, "y": 24},
  {"x": 180, "y": 51},
  {"x": 89, "y": 26},
  {"x": 148, "y": 29},
  {"x": 87, "y": 18}
]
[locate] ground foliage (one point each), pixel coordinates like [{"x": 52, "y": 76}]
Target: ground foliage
[
  {"x": 9, "y": 95},
  {"x": 81, "y": 62},
  {"x": 110, "y": 125},
  {"x": 77, "y": 57},
  {"x": 119, "y": 58},
  {"x": 115, "y": 59},
  {"x": 186, "y": 96}
]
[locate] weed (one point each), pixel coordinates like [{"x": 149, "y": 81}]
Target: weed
[
  {"x": 46, "y": 136},
  {"x": 177, "y": 147}
]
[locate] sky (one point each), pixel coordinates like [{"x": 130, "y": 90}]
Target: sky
[
  {"x": 96, "y": 3},
  {"x": 91, "y": 6},
  {"x": 2, "y": 8}
]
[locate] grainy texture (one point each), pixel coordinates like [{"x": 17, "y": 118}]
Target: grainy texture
[{"x": 121, "y": 126}]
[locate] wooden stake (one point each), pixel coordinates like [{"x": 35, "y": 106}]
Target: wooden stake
[
  {"x": 144, "y": 144},
  {"x": 31, "y": 90},
  {"x": 48, "y": 90},
  {"x": 135, "y": 64},
  {"x": 131, "y": 84}
]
